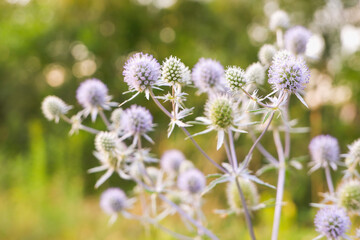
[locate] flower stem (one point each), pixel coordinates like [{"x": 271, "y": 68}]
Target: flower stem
[
  {"x": 248, "y": 156},
  {"x": 82, "y": 127},
  {"x": 329, "y": 180},
  {"x": 233, "y": 161},
  {"x": 280, "y": 185},
  {"x": 263, "y": 151},
  {"x": 190, "y": 219},
  {"x": 187, "y": 133},
  {"x": 156, "y": 224},
  {"x": 104, "y": 118}
]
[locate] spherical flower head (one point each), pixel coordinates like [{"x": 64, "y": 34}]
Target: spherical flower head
[
  {"x": 171, "y": 160},
  {"x": 235, "y": 78},
  {"x": 174, "y": 71},
  {"x": 208, "y": 74},
  {"x": 279, "y": 20},
  {"x": 220, "y": 111},
  {"x": 106, "y": 142},
  {"x": 324, "y": 151},
  {"x": 249, "y": 190},
  {"x": 288, "y": 72},
  {"x": 113, "y": 201},
  {"x": 332, "y": 222},
  {"x": 353, "y": 155},
  {"x": 92, "y": 93},
  {"x": 116, "y": 116},
  {"x": 137, "y": 120},
  {"x": 141, "y": 72},
  {"x": 53, "y": 107},
  {"x": 266, "y": 54},
  {"x": 192, "y": 181},
  {"x": 255, "y": 73},
  {"x": 296, "y": 39},
  {"x": 348, "y": 195}
]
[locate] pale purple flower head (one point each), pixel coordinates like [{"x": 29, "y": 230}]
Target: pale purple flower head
[
  {"x": 288, "y": 72},
  {"x": 192, "y": 181},
  {"x": 136, "y": 120},
  {"x": 324, "y": 151},
  {"x": 171, "y": 160},
  {"x": 208, "y": 74},
  {"x": 332, "y": 222},
  {"x": 113, "y": 200},
  {"x": 141, "y": 72},
  {"x": 92, "y": 93},
  {"x": 296, "y": 39}
]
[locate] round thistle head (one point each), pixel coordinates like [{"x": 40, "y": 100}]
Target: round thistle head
[
  {"x": 250, "y": 193},
  {"x": 116, "y": 116},
  {"x": 266, "y": 54},
  {"x": 279, "y": 20},
  {"x": 53, "y": 107},
  {"x": 324, "y": 151},
  {"x": 353, "y": 155},
  {"x": 332, "y": 222},
  {"x": 349, "y": 195},
  {"x": 171, "y": 160},
  {"x": 235, "y": 78},
  {"x": 220, "y": 111},
  {"x": 256, "y": 73},
  {"x": 288, "y": 72},
  {"x": 208, "y": 74},
  {"x": 296, "y": 39},
  {"x": 192, "y": 181},
  {"x": 113, "y": 200},
  {"x": 141, "y": 72},
  {"x": 174, "y": 71},
  {"x": 137, "y": 120},
  {"x": 92, "y": 93},
  {"x": 106, "y": 142}
]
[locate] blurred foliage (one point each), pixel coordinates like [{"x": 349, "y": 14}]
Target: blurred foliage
[{"x": 45, "y": 190}]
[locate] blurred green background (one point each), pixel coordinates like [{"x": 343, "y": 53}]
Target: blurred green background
[{"x": 48, "y": 47}]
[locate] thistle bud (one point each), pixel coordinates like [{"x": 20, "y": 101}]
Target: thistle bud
[
  {"x": 116, "y": 117},
  {"x": 279, "y": 20},
  {"x": 220, "y": 111},
  {"x": 266, "y": 54},
  {"x": 353, "y": 155},
  {"x": 53, "y": 107},
  {"x": 348, "y": 194},
  {"x": 255, "y": 73},
  {"x": 249, "y": 190},
  {"x": 235, "y": 78},
  {"x": 174, "y": 71},
  {"x": 106, "y": 142}
]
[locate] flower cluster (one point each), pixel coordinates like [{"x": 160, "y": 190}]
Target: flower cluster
[{"x": 171, "y": 184}]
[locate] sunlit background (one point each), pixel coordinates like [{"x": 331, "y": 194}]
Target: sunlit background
[{"x": 48, "y": 47}]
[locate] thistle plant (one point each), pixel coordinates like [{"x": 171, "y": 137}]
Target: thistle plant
[{"x": 172, "y": 184}]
